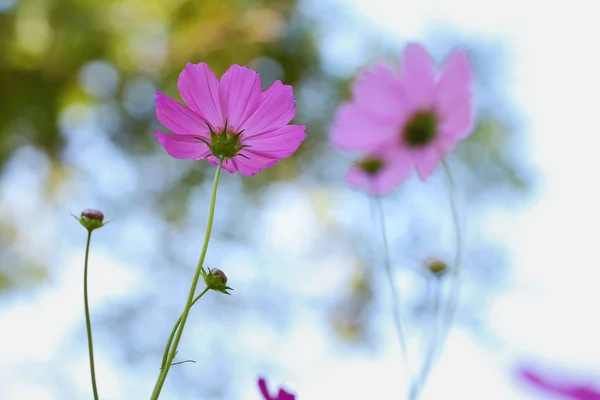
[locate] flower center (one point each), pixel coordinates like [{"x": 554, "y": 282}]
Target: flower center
[
  {"x": 420, "y": 129},
  {"x": 370, "y": 165},
  {"x": 224, "y": 144}
]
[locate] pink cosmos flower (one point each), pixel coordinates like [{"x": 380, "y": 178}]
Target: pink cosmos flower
[
  {"x": 567, "y": 390},
  {"x": 414, "y": 112},
  {"x": 282, "y": 395},
  {"x": 233, "y": 119},
  {"x": 378, "y": 172}
]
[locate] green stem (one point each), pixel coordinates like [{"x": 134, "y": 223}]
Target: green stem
[
  {"x": 417, "y": 385},
  {"x": 455, "y": 271},
  {"x": 164, "y": 372},
  {"x": 88, "y": 323},
  {"x": 377, "y": 208},
  {"x": 172, "y": 335},
  {"x": 454, "y": 296}
]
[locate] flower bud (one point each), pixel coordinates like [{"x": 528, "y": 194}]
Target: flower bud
[
  {"x": 93, "y": 214},
  {"x": 216, "y": 279},
  {"x": 91, "y": 219},
  {"x": 437, "y": 267},
  {"x": 221, "y": 274}
]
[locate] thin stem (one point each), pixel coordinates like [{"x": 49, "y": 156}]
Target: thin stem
[
  {"x": 455, "y": 270},
  {"x": 88, "y": 322},
  {"x": 377, "y": 210},
  {"x": 417, "y": 385},
  {"x": 172, "y": 335},
  {"x": 188, "y": 305},
  {"x": 454, "y": 295}
]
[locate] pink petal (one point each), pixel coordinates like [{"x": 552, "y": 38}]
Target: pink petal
[
  {"x": 454, "y": 97},
  {"x": 179, "y": 118},
  {"x": 240, "y": 94},
  {"x": 357, "y": 178},
  {"x": 266, "y": 150},
  {"x": 418, "y": 76},
  {"x": 276, "y": 109},
  {"x": 182, "y": 146},
  {"x": 400, "y": 165},
  {"x": 427, "y": 161},
  {"x": 284, "y": 395},
  {"x": 444, "y": 143},
  {"x": 380, "y": 91},
  {"x": 254, "y": 163},
  {"x": 228, "y": 165},
  {"x": 262, "y": 384},
  {"x": 397, "y": 168},
  {"x": 277, "y": 144},
  {"x": 459, "y": 124},
  {"x": 355, "y": 128},
  {"x": 559, "y": 387},
  {"x": 199, "y": 89}
]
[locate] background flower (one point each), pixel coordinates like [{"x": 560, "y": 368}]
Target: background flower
[
  {"x": 415, "y": 113},
  {"x": 558, "y": 386},
  {"x": 281, "y": 395}
]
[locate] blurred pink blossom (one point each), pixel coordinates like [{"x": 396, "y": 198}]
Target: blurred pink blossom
[
  {"x": 233, "y": 119},
  {"x": 411, "y": 117},
  {"x": 378, "y": 172},
  {"x": 282, "y": 395},
  {"x": 568, "y": 390}
]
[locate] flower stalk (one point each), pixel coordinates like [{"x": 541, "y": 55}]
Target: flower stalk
[
  {"x": 377, "y": 211},
  {"x": 88, "y": 323},
  {"x": 190, "y": 301},
  {"x": 440, "y": 333},
  {"x": 174, "y": 331},
  {"x": 91, "y": 220}
]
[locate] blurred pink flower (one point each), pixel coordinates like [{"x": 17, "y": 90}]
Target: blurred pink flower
[
  {"x": 378, "y": 172},
  {"x": 417, "y": 114},
  {"x": 233, "y": 119},
  {"x": 564, "y": 389},
  {"x": 282, "y": 395}
]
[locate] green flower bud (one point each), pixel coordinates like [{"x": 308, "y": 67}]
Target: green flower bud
[
  {"x": 91, "y": 219},
  {"x": 221, "y": 274},
  {"x": 437, "y": 267},
  {"x": 216, "y": 279}
]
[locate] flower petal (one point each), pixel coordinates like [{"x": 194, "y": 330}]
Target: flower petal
[
  {"x": 380, "y": 91},
  {"x": 418, "y": 76},
  {"x": 179, "y": 118},
  {"x": 398, "y": 164},
  {"x": 277, "y": 144},
  {"x": 228, "y": 165},
  {"x": 359, "y": 179},
  {"x": 284, "y": 395},
  {"x": 427, "y": 162},
  {"x": 458, "y": 125},
  {"x": 240, "y": 94},
  {"x": 454, "y": 97},
  {"x": 182, "y": 146},
  {"x": 262, "y": 384},
  {"x": 276, "y": 109},
  {"x": 253, "y": 164},
  {"x": 559, "y": 386},
  {"x": 355, "y": 128},
  {"x": 199, "y": 89}
]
